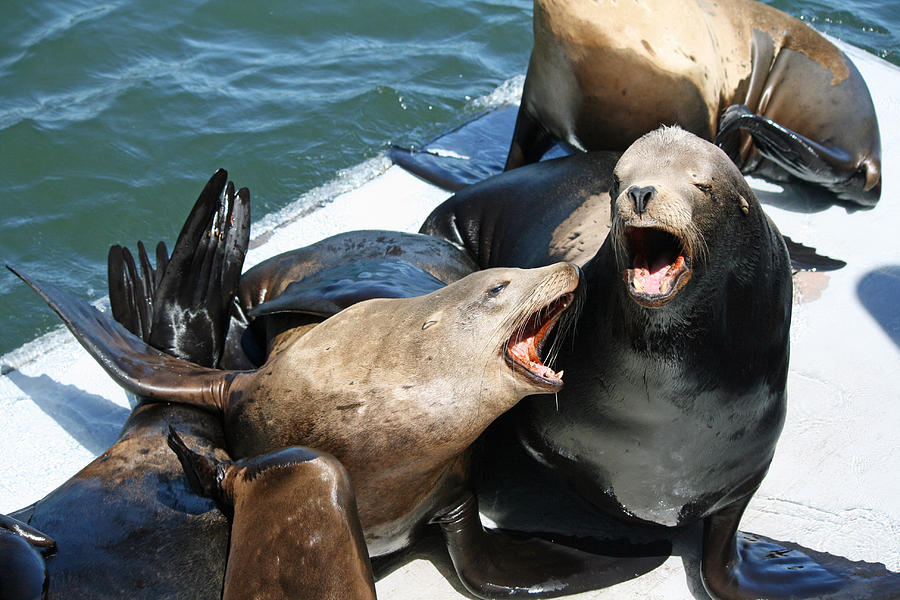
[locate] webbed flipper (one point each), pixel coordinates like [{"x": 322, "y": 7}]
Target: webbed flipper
[
  {"x": 501, "y": 564},
  {"x": 136, "y": 366},
  {"x": 23, "y": 573},
  {"x": 470, "y": 153},
  {"x": 740, "y": 566},
  {"x": 183, "y": 306},
  {"x": 806, "y": 258},
  {"x": 828, "y": 166}
]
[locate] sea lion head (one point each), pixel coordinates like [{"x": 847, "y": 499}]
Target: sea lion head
[
  {"x": 502, "y": 317},
  {"x": 450, "y": 361},
  {"x": 675, "y": 199}
]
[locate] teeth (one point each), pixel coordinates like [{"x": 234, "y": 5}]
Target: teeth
[
  {"x": 638, "y": 284},
  {"x": 664, "y": 286}
]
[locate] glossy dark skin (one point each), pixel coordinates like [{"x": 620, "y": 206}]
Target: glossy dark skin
[
  {"x": 673, "y": 411},
  {"x": 129, "y": 520}
]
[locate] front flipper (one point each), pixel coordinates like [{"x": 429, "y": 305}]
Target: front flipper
[
  {"x": 295, "y": 530},
  {"x": 828, "y": 166},
  {"x": 137, "y": 367},
  {"x": 530, "y": 140},
  {"x": 739, "y": 566},
  {"x": 331, "y": 290},
  {"x": 501, "y": 564}
]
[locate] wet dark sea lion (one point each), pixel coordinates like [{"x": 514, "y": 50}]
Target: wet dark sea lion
[
  {"x": 129, "y": 523},
  {"x": 676, "y": 378},
  {"x": 305, "y": 285},
  {"x": 603, "y": 74}
]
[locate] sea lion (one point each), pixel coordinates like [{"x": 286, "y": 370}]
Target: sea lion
[
  {"x": 128, "y": 522},
  {"x": 677, "y": 372},
  {"x": 603, "y": 74},
  {"x": 354, "y": 368},
  {"x": 295, "y": 531},
  {"x": 397, "y": 390}
]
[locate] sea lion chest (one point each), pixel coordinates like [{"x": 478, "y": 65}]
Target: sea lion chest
[{"x": 661, "y": 428}]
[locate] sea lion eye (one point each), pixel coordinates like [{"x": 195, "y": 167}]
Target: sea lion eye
[
  {"x": 497, "y": 289},
  {"x": 703, "y": 187}
]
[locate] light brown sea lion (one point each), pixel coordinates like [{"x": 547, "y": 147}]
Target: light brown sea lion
[
  {"x": 676, "y": 376},
  {"x": 397, "y": 390},
  {"x": 362, "y": 371},
  {"x": 602, "y": 74}
]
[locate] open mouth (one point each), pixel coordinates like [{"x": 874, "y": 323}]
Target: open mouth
[
  {"x": 524, "y": 347},
  {"x": 659, "y": 265}
]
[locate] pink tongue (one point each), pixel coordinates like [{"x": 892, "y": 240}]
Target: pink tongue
[{"x": 650, "y": 280}]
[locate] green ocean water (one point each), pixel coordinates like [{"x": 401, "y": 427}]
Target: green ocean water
[{"x": 114, "y": 114}]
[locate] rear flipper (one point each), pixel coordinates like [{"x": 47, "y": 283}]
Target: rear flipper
[
  {"x": 23, "y": 574},
  {"x": 137, "y": 367},
  {"x": 805, "y": 258},
  {"x": 500, "y": 564},
  {"x": 295, "y": 530},
  {"x": 738, "y": 566},
  {"x": 468, "y": 154},
  {"x": 183, "y": 306},
  {"x": 827, "y": 166}
]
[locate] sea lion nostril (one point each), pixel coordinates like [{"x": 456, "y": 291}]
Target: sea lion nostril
[{"x": 641, "y": 196}]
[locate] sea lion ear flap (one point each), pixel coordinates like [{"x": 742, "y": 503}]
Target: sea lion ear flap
[{"x": 205, "y": 475}]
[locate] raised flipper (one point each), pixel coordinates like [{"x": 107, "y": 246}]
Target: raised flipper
[
  {"x": 136, "y": 366},
  {"x": 828, "y": 166},
  {"x": 23, "y": 573},
  {"x": 739, "y": 566},
  {"x": 501, "y": 564},
  {"x": 331, "y": 290},
  {"x": 182, "y": 307},
  {"x": 295, "y": 530}
]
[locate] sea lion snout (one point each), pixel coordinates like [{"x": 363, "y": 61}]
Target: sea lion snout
[{"x": 641, "y": 196}]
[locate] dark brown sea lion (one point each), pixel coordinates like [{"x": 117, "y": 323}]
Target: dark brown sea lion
[
  {"x": 677, "y": 374},
  {"x": 603, "y": 74},
  {"x": 129, "y": 523},
  {"x": 295, "y": 531}
]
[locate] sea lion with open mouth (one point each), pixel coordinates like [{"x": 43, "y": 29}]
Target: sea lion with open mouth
[
  {"x": 397, "y": 390},
  {"x": 676, "y": 377}
]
